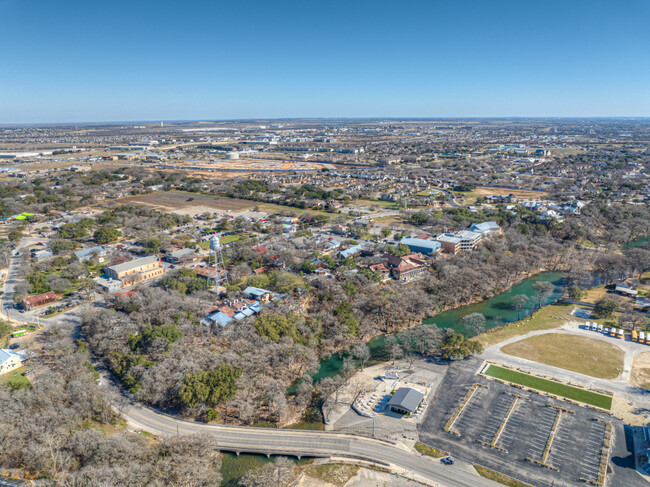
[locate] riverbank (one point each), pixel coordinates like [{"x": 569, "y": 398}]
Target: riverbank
[{"x": 498, "y": 309}]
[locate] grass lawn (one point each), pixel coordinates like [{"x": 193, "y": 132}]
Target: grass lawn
[
  {"x": 304, "y": 425},
  {"x": 205, "y": 245},
  {"x": 15, "y": 380},
  {"x": 588, "y": 356},
  {"x": 334, "y": 473},
  {"x": 594, "y": 294},
  {"x": 429, "y": 450},
  {"x": 562, "y": 390},
  {"x": 544, "y": 319},
  {"x": 374, "y": 204},
  {"x": 499, "y": 477}
]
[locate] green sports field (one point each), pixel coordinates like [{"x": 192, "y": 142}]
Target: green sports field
[{"x": 562, "y": 390}]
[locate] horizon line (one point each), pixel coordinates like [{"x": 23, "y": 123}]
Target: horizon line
[{"x": 316, "y": 118}]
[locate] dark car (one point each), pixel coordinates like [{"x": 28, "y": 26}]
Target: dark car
[
  {"x": 14, "y": 346},
  {"x": 448, "y": 460}
]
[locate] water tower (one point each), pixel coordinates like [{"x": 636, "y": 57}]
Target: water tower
[{"x": 216, "y": 261}]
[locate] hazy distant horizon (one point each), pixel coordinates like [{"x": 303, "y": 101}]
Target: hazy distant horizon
[{"x": 316, "y": 119}]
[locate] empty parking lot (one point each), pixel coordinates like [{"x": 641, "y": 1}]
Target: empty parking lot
[{"x": 528, "y": 436}]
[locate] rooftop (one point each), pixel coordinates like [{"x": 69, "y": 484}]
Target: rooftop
[
  {"x": 127, "y": 266},
  {"x": 406, "y": 398}
]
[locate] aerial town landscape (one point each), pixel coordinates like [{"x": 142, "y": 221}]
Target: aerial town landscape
[
  {"x": 408, "y": 282},
  {"x": 324, "y": 244}
]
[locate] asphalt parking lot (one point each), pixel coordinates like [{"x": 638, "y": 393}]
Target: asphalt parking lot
[{"x": 515, "y": 427}]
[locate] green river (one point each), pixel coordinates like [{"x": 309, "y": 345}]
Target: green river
[{"x": 498, "y": 310}]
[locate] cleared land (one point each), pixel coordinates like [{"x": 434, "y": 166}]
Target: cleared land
[
  {"x": 641, "y": 370},
  {"x": 482, "y": 191},
  {"x": 549, "y": 317},
  {"x": 174, "y": 200},
  {"x": 588, "y": 356},
  {"x": 561, "y": 390},
  {"x": 333, "y": 473}
]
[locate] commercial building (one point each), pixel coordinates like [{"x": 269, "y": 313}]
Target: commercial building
[
  {"x": 136, "y": 271},
  {"x": 406, "y": 400},
  {"x": 407, "y": 268},
  {"x": 423, "y": 246},
  {"x": 452, "y": 243},
  {"x": 40, "y": 300}
]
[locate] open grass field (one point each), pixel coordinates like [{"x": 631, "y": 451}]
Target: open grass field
[
  {"x": 588, "y": 356},
  {"x": 174, "y": 200},
  {"x": 543, "y": 385},
  {"x": 470, "y": 197},
  {"x": 374, "y": 204},
  {"x": 594, "y": 294},
  {"x": 549, "y": 317}
]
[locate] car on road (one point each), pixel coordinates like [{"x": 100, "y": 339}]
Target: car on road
[{"x": 448, "y": 460}]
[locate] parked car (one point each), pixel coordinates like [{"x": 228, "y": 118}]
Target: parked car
[
  {"x": 448, "y": 460},
  {"x": 14, "y": 346}
]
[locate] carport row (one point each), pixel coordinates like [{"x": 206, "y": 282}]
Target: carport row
[{"x": 549, "y": 444}]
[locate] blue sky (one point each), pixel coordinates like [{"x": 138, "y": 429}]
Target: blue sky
[{"x": 91, "y": 60}]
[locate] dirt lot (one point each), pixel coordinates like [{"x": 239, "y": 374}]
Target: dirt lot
[
  {"x": 519, "y": 193},
  {"x": 595, "y": 358},
  {"x": 179, "y": 200},
  {"x": 641, "y": 370}
]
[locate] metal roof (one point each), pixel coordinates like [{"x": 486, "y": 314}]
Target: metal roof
[
  {"x": 406, "y": 398},
  {"x": 419, "y": 242},
  {"x": 150, "y": 259}
]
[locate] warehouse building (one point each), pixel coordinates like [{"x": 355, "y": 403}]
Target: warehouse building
[{"x": 422, "y": 246}]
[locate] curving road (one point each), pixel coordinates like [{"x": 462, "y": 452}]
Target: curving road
[
  {"x": 310, "y": 443},
  {"x": 270, "y": 441}
]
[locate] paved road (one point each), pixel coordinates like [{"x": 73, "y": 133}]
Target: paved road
[
  {"x": 7, "y": 301},
  {"x": 270, "y": 440},
  {"x": 310, "y": 443}
]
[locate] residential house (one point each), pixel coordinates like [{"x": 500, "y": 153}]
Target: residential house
[
  {"x": 262, "y": 295},
  {"x": 40, "y": 299},
  {"x": 87, "y": 254},
  {"x": 353, "y": 251},
  {"x": 485, "y": 228},
  {"x": 9, "y": 361}
]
